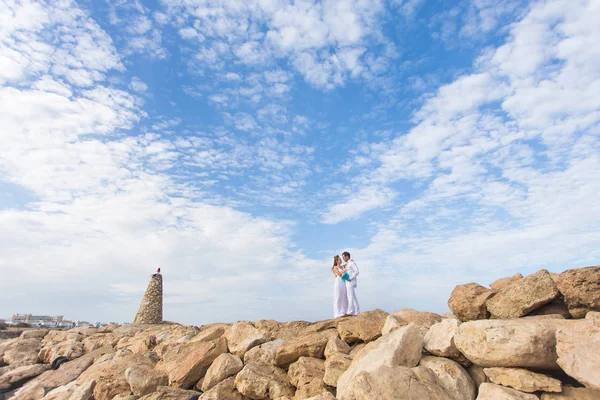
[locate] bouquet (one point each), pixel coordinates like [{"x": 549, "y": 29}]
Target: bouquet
[{"x": 345, "y": 276}]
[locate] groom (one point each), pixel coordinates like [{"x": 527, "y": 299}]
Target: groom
[{"x": 352, "y": 269}]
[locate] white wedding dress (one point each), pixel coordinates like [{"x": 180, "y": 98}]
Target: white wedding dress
[{"x": 340, "y": 297}]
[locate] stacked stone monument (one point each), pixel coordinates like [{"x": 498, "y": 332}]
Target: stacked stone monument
[{"x": 151, "y": 309}]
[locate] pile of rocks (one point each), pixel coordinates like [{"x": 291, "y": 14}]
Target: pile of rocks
[{"x": 543, "y": 341}]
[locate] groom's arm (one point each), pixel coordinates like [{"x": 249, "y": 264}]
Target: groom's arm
[{"x": 353, "y": 270}]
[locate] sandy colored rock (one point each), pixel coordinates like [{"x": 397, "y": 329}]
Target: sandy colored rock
[
  {"x": 502, "y": 283},
  {"x": 572, "y": 393},
  {"x": 311, "y": 345},
  {"x": 110, "y": 375},
  {"x": 526, "y": 343},
  {"x": 263, "y": 381},
  {"x": 335, "y": 365},
  {"x": 395, "y": 383},
  {"x": 20, "y": 374},
  {"x": 187, "y": 363},
  {"x": 83, "y": 391},
  {"x": 264, "y": 353},
  {"x": 99, "y": 340},
  {"x": 477, "y": 375},
  {"x": 169, "y": 393},
  {"x": 224, "y": 390},
  {"x": 468, "y": 302},
  {"x": 242, "y": 336},
  {"x": 364, "y": 327},
  {"x": 452, "y": 377},
  {"x": 305, "y": 370},
  {"x": 439, "y": 340},
  {"x": 70, "y": 349},
  {"x": 336, "y": 345},
  {"x": 581, "y": 290},
  {"x": 210, "y": 333},
  {"x": 578, "y": 349},
  {"x": 594, "y": 315},
  {"x": 523, "y": 296},
  {"x": 310, "y": 389},
  {"x": 223, "y": 367},
  {"x": 523, "y": 380},
  {"x": 23, "y": 352},
  {"x": 392, "y": 323},
  {"x": 491, "y": 391},
  {"x": 357, "y": 348},
  {"x": 145, "y": 380},
  {"x": 323, "y": 396},
  {"x": 555, "y": 307},
  {"x": 423, "y": 319},
  {"x": 34, "y": 334},
  {"x": 401, "y": 347}
]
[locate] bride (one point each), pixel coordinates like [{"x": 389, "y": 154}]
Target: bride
[{"x": 340, "y": 299}]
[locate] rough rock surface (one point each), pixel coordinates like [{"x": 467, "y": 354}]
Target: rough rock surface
[
  {"x": 439, "y": 340},
  {"x": 491, "y": 391},
  {"x": 523, "y": 380},
  {"x": 223, "y": 367},
  {"x": 335, "y": 365},
  {"x": 523, "y": 296},
  {"x": 263, "y": 381},
  {"x": 581, "y": 290},
  {"x": 311, "y": 345},
  {"x": 452, "y": 377},
  {"x": 468, "y": 302},
  {"x": 578, "y": 349},
  {"x": 422, "y": 319},
  {"x": 572, "y": 393},
  {"x": 305, "y": 370},
  {"x": 264, "y": 353},
  {"x": 336, "y": 345},
  {"x": 364, "y": 327},
  {"x": 502, "y": 283},
  {"x": 392, "y": 322},
  {"x": 169, "y": 393},
  {"x": 144, "y": 380},
  {"x": 224, "y": 390},
  {"x": 242, "y": 336}
]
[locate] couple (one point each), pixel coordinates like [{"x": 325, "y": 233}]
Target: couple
[{"x": 344, "y": 298}]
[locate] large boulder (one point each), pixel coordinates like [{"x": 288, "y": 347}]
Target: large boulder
[
  {"x": 336, "y": 345},
  {"x": 556, "y": 308},
  {"x": 263, "y": 381},
  {"x": 439, "y": 340},
  {"x": 83, "y": 391},
  {"x": 311, "y": 345},
  {"x": 20, "y": 374},
  {"x": 364, "y": 327},
  {"x": 23, "y": 352},
  {"x": 527, "y": 343},
  {"x": 523, "y": 296},
  {"x": 99, "y": 340},
  {"x": 34, "y": 334},
  {"x": 224, "y": 390},
  {"x": 395, "y": 383},
  {"x": 169, "y": 393},
  {"x": 335, "y": 365},
  {"x": 305, "y": 370},
  {"x": 242, "y": 336},
  {"x": 502, "y": 283},
  {"x": 70, "y": 348},
  {"x": 187, "y": 363},
  {"x": 573, "y": 393},
  {"x": 392, "y": 322},
  {"x": 144, "y": 380},
  {"x": 491, "y": 391},
  {"x": 467, "y": 301},
  {"x": 401, "y": 347},
  {"x": 578, "y": 349},
  {"x": 581, "y": 290},
  {"x": 523, "y": 380},
  {"x": 264, "y": 353},
  {"x": 422, "y": 319},
  {"x": 223, "y": 367},
  {"x": 477, "y": 375},
  {"x": 452, "y": 377},
  {"x": 110, "y": 375}
]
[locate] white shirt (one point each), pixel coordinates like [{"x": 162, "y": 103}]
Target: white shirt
[{"x": 352, "y": 270}]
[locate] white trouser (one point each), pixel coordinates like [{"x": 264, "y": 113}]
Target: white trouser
[{"x": 353, "y": 306}]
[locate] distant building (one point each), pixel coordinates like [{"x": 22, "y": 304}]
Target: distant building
[
  {"x": 82, "y": 324},
  {"x": 46, "y": 321},
  {"x": 65, "y": 323}
]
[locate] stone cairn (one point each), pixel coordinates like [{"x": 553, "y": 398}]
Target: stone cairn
[{"x": 151, "y": 309}]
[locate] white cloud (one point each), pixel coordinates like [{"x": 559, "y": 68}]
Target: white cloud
[{"x": 137, "y": 85}]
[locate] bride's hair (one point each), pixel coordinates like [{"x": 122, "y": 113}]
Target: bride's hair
[{"x": 336, "y": 261}]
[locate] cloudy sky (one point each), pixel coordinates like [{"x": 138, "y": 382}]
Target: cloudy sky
[{"x": 239, "y": 145}]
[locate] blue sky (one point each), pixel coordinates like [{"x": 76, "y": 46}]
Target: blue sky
[{"x": 239, "y": 145}]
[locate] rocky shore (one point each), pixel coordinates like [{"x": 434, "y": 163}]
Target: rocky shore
[{"x": 532, "y": 337}]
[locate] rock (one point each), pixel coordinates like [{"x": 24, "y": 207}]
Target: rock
[
  {"x": 305, "y": 370},
  {"x": 439, "y": 340},
  {"x": 356, "y": 349},
  {"x": 187, "y": 363},
  {"x": 523, "y": 296},
  {"x": 21, "y": 374},
  {"x": 99, "y": 340},
  {"x": 467, "y": 302},
  {"x": 322, "y": 396},
  {"x": 452, "y": 377},
  {"x": 110, "y": 375},
  {"x": 223, "y": 367},
  {"x": 83, "y": 391},
  {"x": 242, "y": 336},
  {"x": 491, "y": 391},
  {"x": 60, "y": 393},
  {"x": 145, "y": 380},
  {"x": 578, "y": 349},
  {"x": 556, "y": 307},
  {"x": 264, "y": 353},
  {"x": 336, "y": 345},
  {"x": 523, "y": 380},
  {"x": 224, "y": 390},
  {"x": 502, "y": 283},
  {"x": 395, "y": 383},
  {"x": 311, "y": 345},
  {"x": 125, "y": 397},
  {"x": 71, "y": 349},
  {"x": 423, "y": 319},
  {"x": 392, "y": 323},
  {"x": 263, "y": 381},
  {"x": 477, "y": 375},
  {"x": 310, "y": 389},
  {"x": 335, "y": 365},
  {"x": 581, "y": 290},
  {"x": 210, "y": 333},
  {"x": 527, "y": 343},
  {"x": 572, "y": 393},
  {"x": 364, "y": 327},
  {"x": 401, "y": 347},
  {"x": 23, "y": 352},
  {"x": 594, "y": 315},
  {"x": 34, "y": 334},
  {"x": 169, "y": 393}
]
